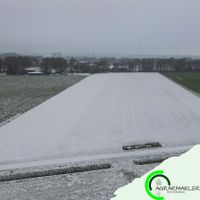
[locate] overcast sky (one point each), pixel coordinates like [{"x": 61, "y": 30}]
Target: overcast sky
[{"x": 123, "y": 27}]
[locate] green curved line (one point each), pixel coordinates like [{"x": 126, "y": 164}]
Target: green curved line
[{"x": 147, "y": 184}]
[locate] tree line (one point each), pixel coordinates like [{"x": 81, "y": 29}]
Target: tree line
[{"x": 48, "y": 65}]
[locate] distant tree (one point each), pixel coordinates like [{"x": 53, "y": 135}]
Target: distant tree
[
  {"x": 84, "y": 67},
  {"x": 1, "y": 65},
  {"x": 11, "y": 63},
  {"x": 18, "y": 64},
  {"x": 132, "y": 65},
  {"x": 195, "y": 65},
  {"x": 46, "y": 65},
  {"x": 102, "y": 65},
  {"x": 147, "y": 65},
  {"x": 23, "y": 62},
  {"x": 124, "y": 62},
  {"x": 73, "y": 64},
  {"x": 60, "y": 64}
]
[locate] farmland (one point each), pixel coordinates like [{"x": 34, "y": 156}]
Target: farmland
[
  {"x": 21, "y": 93},
  {"x": 100, "y": 115},
  {"x": 190, "y": 80}
]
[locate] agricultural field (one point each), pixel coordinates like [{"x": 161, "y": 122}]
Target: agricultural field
[
  {"x": 102, "y": 116},
  {"x": 21, "y": 93},
  {"x": 190, "y": 80}
]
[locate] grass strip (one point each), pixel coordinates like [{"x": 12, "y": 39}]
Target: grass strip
[{"x": 50, "y": 172}]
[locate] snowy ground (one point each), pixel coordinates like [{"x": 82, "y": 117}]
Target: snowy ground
[
  {"x": 21, "y": 93},
  {"x": 91, "y": 185},
  {"x": 87, "y": 185},
  {"x": 99, "y": 115}
]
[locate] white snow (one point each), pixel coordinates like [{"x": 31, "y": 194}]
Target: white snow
[{"x": 99, "y": 115}]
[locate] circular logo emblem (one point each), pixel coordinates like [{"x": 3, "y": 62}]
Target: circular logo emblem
[{"x": 153, "y": 180}]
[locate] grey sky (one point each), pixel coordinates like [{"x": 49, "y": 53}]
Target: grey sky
[{"x": 100, "y": 26}]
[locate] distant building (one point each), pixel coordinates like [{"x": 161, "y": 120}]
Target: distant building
[
  {"x": 111, "y": 67},
  {"x": 35, "y": 70}
]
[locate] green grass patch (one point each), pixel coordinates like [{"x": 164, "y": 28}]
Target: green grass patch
[{"x": 190, "y": 80}]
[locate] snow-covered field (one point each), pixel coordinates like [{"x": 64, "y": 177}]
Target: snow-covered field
[
  {"x": 21, "y": 93},
  {"x": 99, "y": 115}
]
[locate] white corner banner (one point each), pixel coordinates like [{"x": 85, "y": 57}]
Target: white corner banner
[{"x": 177, "y": 178}]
